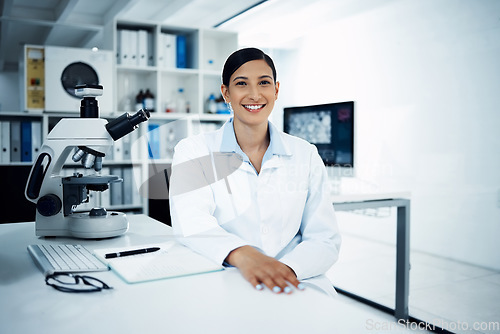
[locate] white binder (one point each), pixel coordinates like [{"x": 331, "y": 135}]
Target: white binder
[
  {"x": 132, "y": 43},
  {"x": 15, "y": 141},
  {"x": 5, "y": 142},
  {"x": 168, "y": 50},
  {"x": 142, "y": 48},
  {"x": 36, "y": 139},
  {"x": 123, "y": 46}
]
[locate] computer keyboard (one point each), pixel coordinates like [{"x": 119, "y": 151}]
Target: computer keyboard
[{"x": 65, "y": 259}]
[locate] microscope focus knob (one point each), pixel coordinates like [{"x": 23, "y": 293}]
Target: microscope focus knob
[{"x": 49, "y": 205}]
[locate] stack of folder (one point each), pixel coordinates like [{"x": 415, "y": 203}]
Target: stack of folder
[
  {"x": 136, "y": 48},
  {"x": 20, "y": 141},
  {"x": 172, "y": 51}
]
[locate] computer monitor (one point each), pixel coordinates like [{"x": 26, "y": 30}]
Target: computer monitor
[{"x": 330, "y": 127}]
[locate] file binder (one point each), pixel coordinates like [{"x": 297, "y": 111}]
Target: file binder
[
  {"x": 1, "y": 146},
  {"x": 26, "y": 141},
  {"x": 36, "y": 139},
  {"x": 142, "y": 48},
  {"x": 123, "y": 46},
  {"x": 127, "y": 48},
  {"x": 181, "y": 51},
  {"x": 132, "y": 44},
  {"x": 168, "y": 50},
  {"x": 5, "y": 148},
  {"x": 15, "y": 141},
  {"x": 151, "y": 49}
]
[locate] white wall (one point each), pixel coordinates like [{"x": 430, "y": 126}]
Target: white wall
[{"x": 425, "y": 76}]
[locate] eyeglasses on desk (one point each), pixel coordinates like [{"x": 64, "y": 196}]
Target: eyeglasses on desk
[{"x": 76, "y": 283}]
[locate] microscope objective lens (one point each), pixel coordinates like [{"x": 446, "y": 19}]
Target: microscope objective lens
[
  {"x": 98, "y": 164},
  {"x": 88, "y": 160},
  {"x": 78, "y": 155}
]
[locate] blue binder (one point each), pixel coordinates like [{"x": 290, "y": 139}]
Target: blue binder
[
  {"x": 26, "y": 152},
  {"x": 181, "y": 51}
]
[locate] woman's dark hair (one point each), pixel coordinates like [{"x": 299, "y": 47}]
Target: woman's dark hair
[{"x": 242, "y": 56}]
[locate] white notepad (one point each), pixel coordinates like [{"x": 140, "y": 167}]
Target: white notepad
[{"x": 172, "y": 260}]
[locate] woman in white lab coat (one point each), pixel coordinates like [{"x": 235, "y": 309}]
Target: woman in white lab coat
[{"x": 251, "y": 196}]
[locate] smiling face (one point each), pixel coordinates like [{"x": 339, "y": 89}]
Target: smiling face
[{"x": 252, "y": 93}]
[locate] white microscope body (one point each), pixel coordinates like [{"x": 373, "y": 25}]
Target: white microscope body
[{"x": 57, "y": 196}]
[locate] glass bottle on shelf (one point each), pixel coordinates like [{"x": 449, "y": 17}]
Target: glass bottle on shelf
[
  {"x": 139, "y": 100},
  {"x": 181, "y": 101},
  {"x": 222, "y": 107},
  {"x": 211, "y": 104},
  {"x": 171, "y": 102},
  {"x": 149, "y": 101}
]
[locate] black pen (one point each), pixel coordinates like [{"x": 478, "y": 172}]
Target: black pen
[{"x": 132, "y": 252}]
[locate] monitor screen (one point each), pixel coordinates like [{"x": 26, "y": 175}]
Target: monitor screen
[{"x": 330, "y": 127}]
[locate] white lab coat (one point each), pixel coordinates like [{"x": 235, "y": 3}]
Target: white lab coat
[{"x": 218, "y": 202}]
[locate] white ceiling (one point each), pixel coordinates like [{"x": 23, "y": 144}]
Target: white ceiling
[
  {"x": 77, "y": 23},
  {"x": 82, "y": 23}
]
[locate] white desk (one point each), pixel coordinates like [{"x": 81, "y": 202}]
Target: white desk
[
  {"x": 220, "y": 302},
  {"x": 369, "y": 200}
]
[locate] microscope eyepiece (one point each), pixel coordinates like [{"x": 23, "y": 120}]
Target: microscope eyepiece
[
  {"x": 140, "y": 116},
  {"x": 125, "y": 124}
]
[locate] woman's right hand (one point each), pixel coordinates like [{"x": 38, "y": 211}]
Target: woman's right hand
[{"x": 260, "y": 269}]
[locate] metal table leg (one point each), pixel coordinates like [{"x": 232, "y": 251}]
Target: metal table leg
[{"x": 402, "y": 250}]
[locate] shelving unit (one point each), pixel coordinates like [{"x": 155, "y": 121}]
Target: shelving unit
[{"x": 206, "y": 51}]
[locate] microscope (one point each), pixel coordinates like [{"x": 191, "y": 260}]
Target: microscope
[{"x": 56, "y": 196}]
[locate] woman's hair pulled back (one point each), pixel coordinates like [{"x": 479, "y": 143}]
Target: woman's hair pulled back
[{"x": 242, "y": 56}]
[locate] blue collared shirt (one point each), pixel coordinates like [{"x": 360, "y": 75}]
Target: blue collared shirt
[{"x": 230, "y": 144}]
